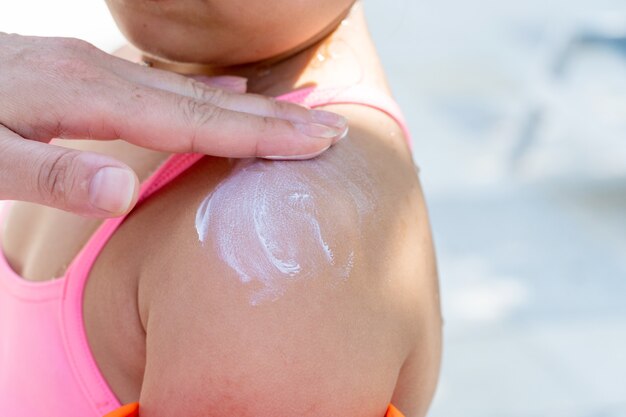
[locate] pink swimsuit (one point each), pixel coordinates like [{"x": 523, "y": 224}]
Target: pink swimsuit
[{"x": 46, "y": 365}]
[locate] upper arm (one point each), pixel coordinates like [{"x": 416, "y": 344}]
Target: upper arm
[
  {"x": 246, "y": 361},
  {"x": 418, "y": 377},
  {"x": 283, "y": 300},
  {"x": 419, "y": 374}
]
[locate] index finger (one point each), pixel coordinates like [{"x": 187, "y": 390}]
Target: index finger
[
  {"x": 169, "y": 122},
  {"x": 246, "y": 103}
]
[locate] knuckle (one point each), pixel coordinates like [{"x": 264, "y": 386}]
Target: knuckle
[
  {"x": 44, "y": 132},
  {"x": 49, "y": 125},
  {"x": 203, "y": 92},
  {"x": 73, "y": 66},
  {"x": 269, "y": 124},
  {"x": 198, "y": 115},
  {"x": 73, "y": 59},
  {"x": 271, "y": 107},
  {"x": 280, "y": 108},
  {"x": 56, "y": 180},
  {"x": 74, "y": 45}
]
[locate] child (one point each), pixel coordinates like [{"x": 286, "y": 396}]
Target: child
[{"x": 253, "y": 288}]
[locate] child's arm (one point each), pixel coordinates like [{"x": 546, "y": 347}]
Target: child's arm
[
  {"x": 322, "y": 347},
  {"x": 419, "y": 375}
]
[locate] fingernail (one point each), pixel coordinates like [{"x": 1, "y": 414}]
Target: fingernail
[
  {"x": 318, "y": 131},
  {"x": 328, "y": 118},
  {"x": 343, "y": 135},
  {"x": 112, "y": 189},
  {"x": 297, "y": 157}
]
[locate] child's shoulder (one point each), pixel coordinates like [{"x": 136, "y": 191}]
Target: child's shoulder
[
  {"x": 351, "y": 219},
  {"x": 286, "y": 281},
  {"x": 291, "y": 216}
]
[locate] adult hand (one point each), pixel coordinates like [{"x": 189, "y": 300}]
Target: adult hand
[{"x": 67, "y": 88}]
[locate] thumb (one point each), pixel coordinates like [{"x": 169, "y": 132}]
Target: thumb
[{"x": 80, "y": 182}]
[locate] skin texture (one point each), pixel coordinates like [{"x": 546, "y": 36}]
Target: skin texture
[
  {"x": 280, "y": 238},
  {"x": 172, "y": 326}
]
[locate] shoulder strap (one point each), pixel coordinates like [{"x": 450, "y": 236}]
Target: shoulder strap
[
  {"x": 79, "y": 354},
  {"x": 356, "y": 94}
]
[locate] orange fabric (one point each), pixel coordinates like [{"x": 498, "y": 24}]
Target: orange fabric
[
  {"x": 132, "y": 410},
  {"x": 393, "y": 412},
  {"x": 128, "y": 410}
]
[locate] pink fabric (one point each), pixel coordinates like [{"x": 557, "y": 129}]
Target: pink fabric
[{"x": 46, "y": 365}]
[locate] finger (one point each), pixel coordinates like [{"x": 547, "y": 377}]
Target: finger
[
  {"x": 224, "y": 82},
  {"x": 203, "y": 88},
  {"x": 270, "y": 107},
  {"x": 173, "y": 123},
  {"x": 171, "y": 81},
  {"x": 169, "y": 122},
  {"x": 81, "y": 182}
]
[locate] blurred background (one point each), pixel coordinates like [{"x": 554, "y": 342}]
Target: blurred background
[{"x": 518, "y": 111}]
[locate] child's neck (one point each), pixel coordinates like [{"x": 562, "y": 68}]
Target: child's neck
[{"x": 340, "y": 53}]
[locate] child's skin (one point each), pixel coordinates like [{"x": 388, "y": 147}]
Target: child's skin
[{"x": 170, "y": 323}]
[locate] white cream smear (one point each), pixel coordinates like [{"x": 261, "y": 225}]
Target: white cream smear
[{"x": 265, "y": 220}]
